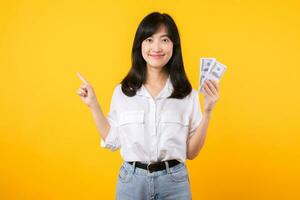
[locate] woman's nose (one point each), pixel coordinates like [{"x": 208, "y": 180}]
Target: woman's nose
[{"x": 156, "y": 46}]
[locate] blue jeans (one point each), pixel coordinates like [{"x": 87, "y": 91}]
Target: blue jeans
[{"x": 139, "y": 184}]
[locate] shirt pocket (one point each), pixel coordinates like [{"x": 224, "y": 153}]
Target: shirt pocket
[
  {"x": 132, "y": 127},
  {"x": 173, "y": 128}
]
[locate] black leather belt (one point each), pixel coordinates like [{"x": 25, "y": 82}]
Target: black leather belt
[{"x": 153, "y": 167}]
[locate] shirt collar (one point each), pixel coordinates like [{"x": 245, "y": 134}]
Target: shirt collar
[{"x": 165, "y": 92}]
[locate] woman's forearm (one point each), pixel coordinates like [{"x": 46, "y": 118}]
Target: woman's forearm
[
  {"x": 196, "y": 142},
  {"x": 101, "y": 121}
]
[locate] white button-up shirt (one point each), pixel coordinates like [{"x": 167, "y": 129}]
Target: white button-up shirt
[{"x": 152, "y": 130}]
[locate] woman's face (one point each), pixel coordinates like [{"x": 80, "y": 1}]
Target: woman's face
[{"x": 157, "y": 49}]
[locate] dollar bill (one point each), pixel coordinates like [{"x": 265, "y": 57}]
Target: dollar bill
[
  {"x": 212, "y": 71},
  {"x": 205, "y": 65}
]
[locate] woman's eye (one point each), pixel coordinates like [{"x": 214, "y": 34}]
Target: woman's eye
[
  {"x": 149, "y": 40},
  {"x": 166, "y": 40}
]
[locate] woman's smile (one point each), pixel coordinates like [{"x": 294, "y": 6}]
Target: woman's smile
[{"x": 156, "y": 56}]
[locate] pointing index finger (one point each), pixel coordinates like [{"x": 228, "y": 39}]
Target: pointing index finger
[{"x": 82, "y": 78}]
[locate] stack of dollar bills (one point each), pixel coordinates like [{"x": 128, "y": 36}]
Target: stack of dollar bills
[{"x": 210, "y": 69}]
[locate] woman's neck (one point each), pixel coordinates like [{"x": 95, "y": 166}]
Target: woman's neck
[{"x": 156, "y": 78}]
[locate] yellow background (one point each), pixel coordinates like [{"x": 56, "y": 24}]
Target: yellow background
[{"x": 49, "y": 145}]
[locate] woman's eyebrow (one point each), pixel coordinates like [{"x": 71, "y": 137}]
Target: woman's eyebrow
[{"x": 165, "y": 35}]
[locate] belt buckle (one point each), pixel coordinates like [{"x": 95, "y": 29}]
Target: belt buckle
[{"x": 148, "y": 167}]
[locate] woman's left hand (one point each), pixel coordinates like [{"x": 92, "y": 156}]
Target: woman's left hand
[{"x": 211, "y": 95}]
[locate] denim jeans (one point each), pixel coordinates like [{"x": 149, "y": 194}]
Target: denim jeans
[{"x": 172, "y": 183}]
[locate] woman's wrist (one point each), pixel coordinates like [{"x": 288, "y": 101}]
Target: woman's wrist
[
  {"x": 207, "y": 113},
  {"x": 95, "y": 107}
]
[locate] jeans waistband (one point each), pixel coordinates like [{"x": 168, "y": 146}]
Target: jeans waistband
[{"x": 133, "y": 169}]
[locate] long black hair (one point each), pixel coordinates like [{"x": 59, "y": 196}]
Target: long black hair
[{"x": 175, "y": 68}]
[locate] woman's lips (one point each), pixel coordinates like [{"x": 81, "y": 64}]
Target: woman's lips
[{"x": 156, "y": 56}]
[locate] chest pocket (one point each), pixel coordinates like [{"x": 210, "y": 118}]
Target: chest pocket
[
  {"x": 174, "y": 117},
  {"x": 174, "y": 127},
  {"x": 132, "y": 127}
]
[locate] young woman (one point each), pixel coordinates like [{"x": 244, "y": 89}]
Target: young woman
[{"x": 155, "y": 116}]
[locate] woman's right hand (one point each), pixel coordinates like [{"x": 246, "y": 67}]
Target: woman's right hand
[{"x": 86, "y": 93}]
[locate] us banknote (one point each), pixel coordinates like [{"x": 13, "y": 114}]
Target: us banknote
[
  {"x": 205, "y": 65},
  {"x": 210, "y": 69}
]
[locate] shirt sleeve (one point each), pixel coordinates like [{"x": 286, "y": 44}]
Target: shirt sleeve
[
  {"x": 196, "y": 114},
  {"x": 112, "y": 140}
]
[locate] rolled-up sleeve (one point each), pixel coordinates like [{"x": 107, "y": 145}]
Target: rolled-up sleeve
[
  {"x": 196, "y": 114},
  {"x": 112, "y": 140}
]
